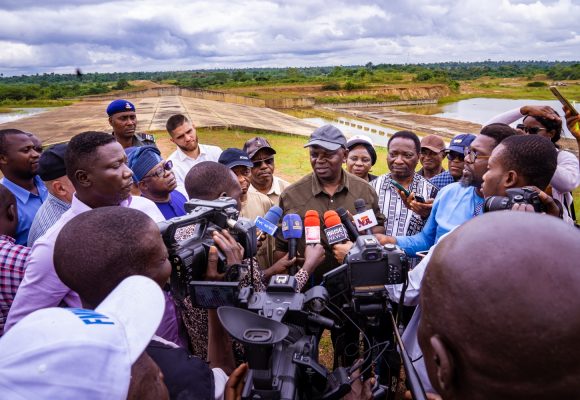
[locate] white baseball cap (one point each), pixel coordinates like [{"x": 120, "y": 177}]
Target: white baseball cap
[{"x": 73, "y": 353}]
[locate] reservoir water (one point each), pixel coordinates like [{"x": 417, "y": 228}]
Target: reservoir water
[{"x": 20, "y": 113}]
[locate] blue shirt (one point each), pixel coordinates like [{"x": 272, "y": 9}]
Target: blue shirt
[
  {"x": 173, "y": 207},
  {"x": 454, "y": 205},
  {"x": 28, "y": 204},
  {"x": 442, "y": 180}
]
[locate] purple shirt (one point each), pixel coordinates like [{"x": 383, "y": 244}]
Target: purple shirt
[
  {"x": 173, "y": 207},
  {"x": 41, "y": 287}
]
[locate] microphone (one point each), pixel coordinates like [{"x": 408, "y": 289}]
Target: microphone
[
  {"x": 364, "y": 219},
  {"x": 292, "y": 231},
  {"x": 335, "y": 231},
  {"x": 345, "y": 219},
  {"x": 269, "y": 223},
  {"x": 312, "y": 227}
]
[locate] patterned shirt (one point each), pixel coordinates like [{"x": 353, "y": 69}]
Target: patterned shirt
[
  {"x": 442, "y": 180},
  {"x": 12, "y": 260},
  {"x": 400, "y": 221},
  {"x": 48, "y": 213}
]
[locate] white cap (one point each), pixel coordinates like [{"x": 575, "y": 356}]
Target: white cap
[
  {"x": 357, "y": 139},
  {"x": 73, "y": 353}
]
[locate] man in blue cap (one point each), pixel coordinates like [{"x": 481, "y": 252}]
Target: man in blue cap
[
  {"x": 156, "y": 181},
  {"x": 455, "y": 159},
  {"x": 123, "y": 120}
]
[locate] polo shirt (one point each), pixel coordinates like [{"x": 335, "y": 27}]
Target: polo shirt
[{"x": 308, "y": 194}]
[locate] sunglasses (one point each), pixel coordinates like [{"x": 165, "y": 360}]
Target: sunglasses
[
  {"x": 534, "y": 130},
  {"x": 160, "y": 171},
  {"x": 267, "y": 161},
  {"x": 453, "y": 155}
]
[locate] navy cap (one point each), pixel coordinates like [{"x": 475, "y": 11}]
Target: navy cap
[
  {"x": 328, "y": 137},
  {"x": 233, "y": 157},
  {"x": 51, "y": 163},
  {"x": 120, "y": 105},
  {"x": 142, "y": 159},
  {"x": 460, "y": 142}
]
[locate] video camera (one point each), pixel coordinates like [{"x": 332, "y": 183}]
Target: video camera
[
  {"x": 280, "y": 330},
  {"x": 360, "y": 282},
  {"x": 189, "y": 257},
  {"x": 514, "y": 196}
]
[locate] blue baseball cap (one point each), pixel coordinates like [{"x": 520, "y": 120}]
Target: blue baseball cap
[
  {"x": 460, "y": 142},
  {"x": 233, "y": 157},
  {"x": 118, "y": 106}
]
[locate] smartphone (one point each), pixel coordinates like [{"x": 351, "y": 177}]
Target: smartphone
[
  {"x": 418, "y": 197},
  {"x": 563, "y": 100}
]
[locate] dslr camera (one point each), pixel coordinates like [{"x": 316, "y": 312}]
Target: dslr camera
[
  {"x": 189, "y": 256},
  {"x": 514, "y": 196}
]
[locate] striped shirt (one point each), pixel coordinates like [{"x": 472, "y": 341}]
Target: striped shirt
[
  {"x": 48, "y": 213},
  {"x": 399, "y": 220},
  {"x": 12, "y": 260}
]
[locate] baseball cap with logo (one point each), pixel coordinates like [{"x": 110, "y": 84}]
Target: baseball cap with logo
[
  {"x": 233, "y": 157},
  {"x": 328, "y": 137},
  {"x": 460, "y": 142},
  {"x": 433, "y": 143},
  {"x": 119, "y": 105},
  {"x": 73, "y": 353},
  {"x": 253, "y": 145}
]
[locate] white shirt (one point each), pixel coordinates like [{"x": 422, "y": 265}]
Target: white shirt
[{"x": 182, "y": 163}]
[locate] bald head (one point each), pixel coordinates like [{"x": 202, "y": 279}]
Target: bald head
[
  {"x": 500, "y": 309},
  {"x": 116, "y": 242},
  {"x": 210, "y": 180}
]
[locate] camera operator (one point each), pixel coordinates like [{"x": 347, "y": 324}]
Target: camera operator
[
  {"x": 518, "y": 161},
  {"x": 115, "y": 251},
  {"x": 225, "y": 183},
  {"x": 470, "y": 350}
]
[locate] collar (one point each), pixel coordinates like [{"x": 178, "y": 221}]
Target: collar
[
  {"x": 55, "y": 199},
  {"x": 317, "y": 187},
  {"x": 22, "y": 194},
  {"x": 77, "y": 206},
  {"x": 275, "y": 188},
  {"x": 182, "y": 156}
]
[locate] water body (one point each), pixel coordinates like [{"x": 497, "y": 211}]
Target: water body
[
  {"x": 19, "y": 113},
  {"x": 378, "y": 134},
  {"x": 481, "y": 110}
]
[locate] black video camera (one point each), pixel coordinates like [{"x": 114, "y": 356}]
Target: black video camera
[
  {"x": 514, "y": 196},
  {"x": 280, "y": 330},
  {"x": 189, "y": 257},
  {"x": 369, "y": 266}
]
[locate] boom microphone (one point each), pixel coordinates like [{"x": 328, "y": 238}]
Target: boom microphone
[
  {"x": 335, "y": 231},
  {"x": 292, "y": 231},
  {"x": 312, "y": 227},
  {"x": 269, "y": 223},
  {"x": 345, "y": 219},
  {"x": 364, "y": 219}
]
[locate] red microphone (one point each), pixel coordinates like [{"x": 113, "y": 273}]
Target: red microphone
[
  {"x": 312, "y": 227},
  {"x": 335, "y": 231}
]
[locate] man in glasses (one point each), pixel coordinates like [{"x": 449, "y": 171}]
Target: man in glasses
[
  {"x": 431, "y": 156},
  {"x": 189, "y": 151},
  {"x": 455, "y": 159},
  {"x": 155, "y": 179},
  {"x": 460, "y": 201},
  {"x": 262, "y": 177}
]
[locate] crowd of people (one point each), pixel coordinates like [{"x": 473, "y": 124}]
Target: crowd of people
[{"x": 87, "y": 311}]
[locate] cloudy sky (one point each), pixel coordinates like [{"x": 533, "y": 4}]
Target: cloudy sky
[{"x": 38, "y": 36}]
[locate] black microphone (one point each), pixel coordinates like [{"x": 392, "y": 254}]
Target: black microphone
[
  {"x": 345, "y": 219},
  {"x": 364, "y": 219}
]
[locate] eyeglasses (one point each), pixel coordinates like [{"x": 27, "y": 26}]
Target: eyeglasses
[
  {"x": 472, "y": 155},
  {"x": 533, "y": 130},
  {"x": 268, "y": 161},
  {"x": 160, "y": 171},
  {"x": 454, "y": 155}
]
